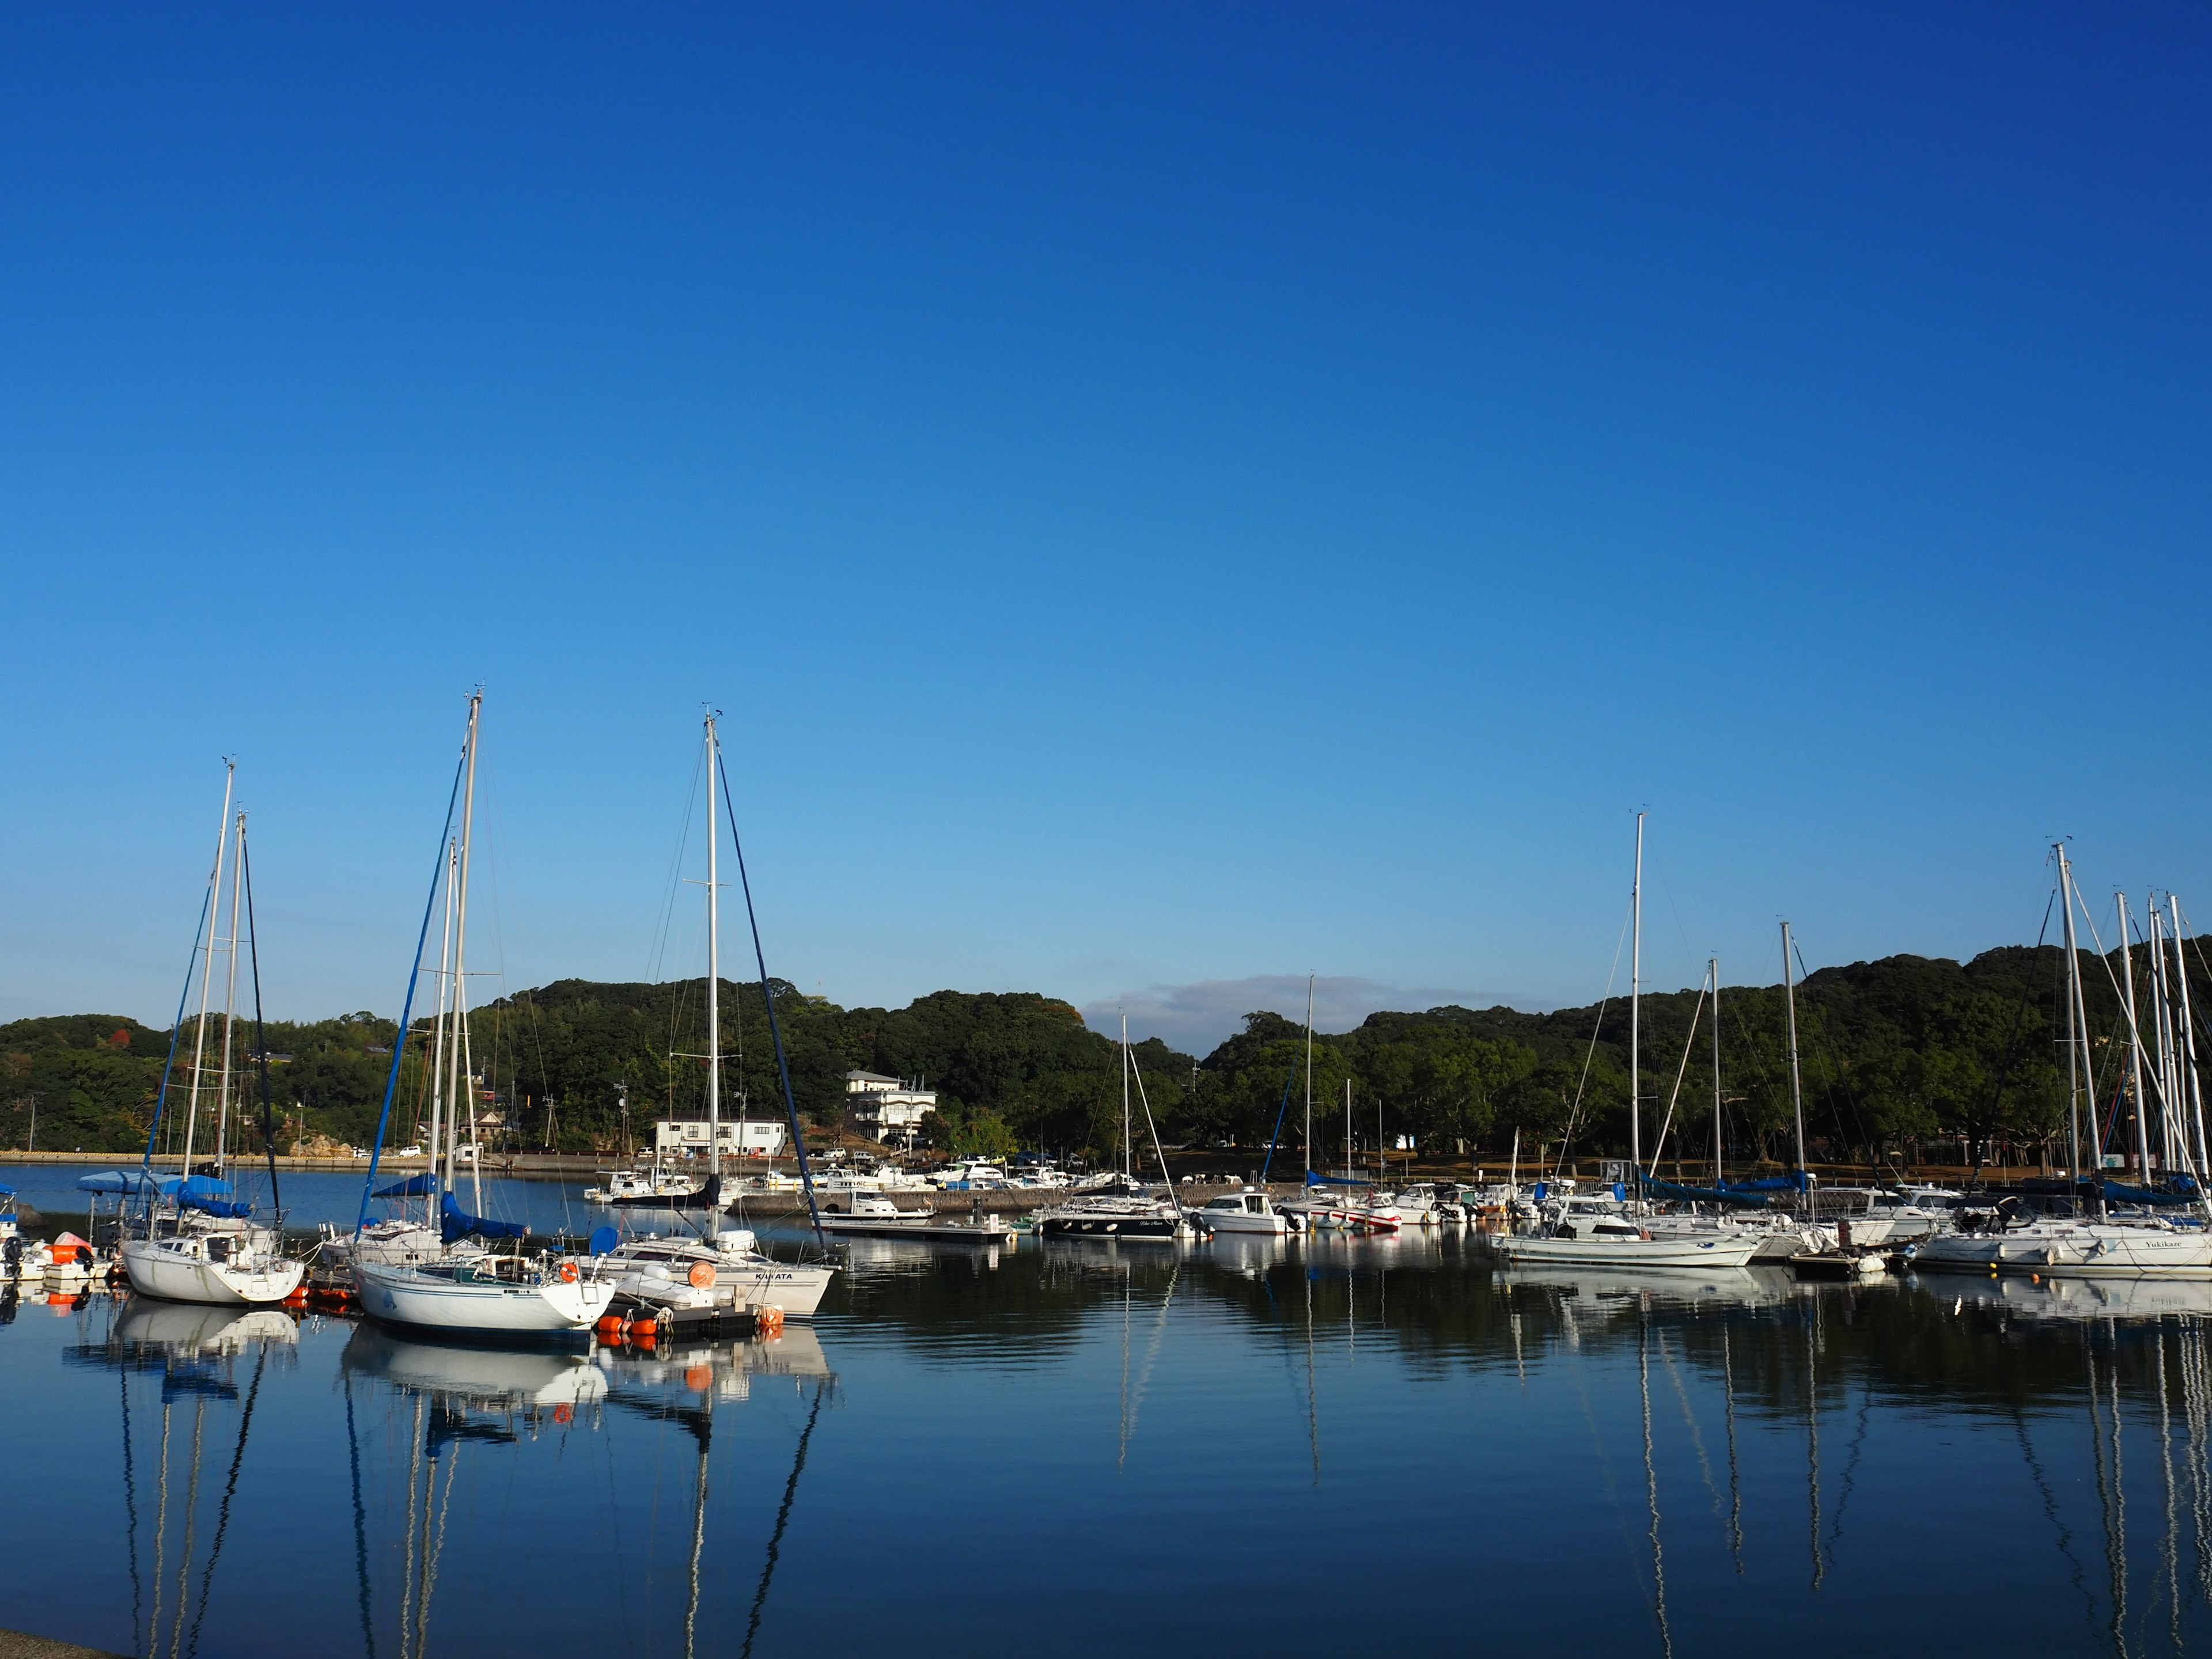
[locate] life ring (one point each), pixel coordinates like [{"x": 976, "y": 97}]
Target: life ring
[
  {"x": 702, "y": 1275},
  {"x": 567, "y": 1272}
]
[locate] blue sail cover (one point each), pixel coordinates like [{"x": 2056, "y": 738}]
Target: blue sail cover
[
  {"x": 2184, "y": 1191},
  {"x": 421, "y": 1186},
  {"x": 1742, "y": 1197},
  {"x": 1312, "y": 1180},
  {"x": 456, "y": 1224},
  {"x": 136, "y": 1181}
]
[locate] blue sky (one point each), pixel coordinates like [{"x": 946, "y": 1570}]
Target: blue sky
[{"x": 1171, "y": 499}]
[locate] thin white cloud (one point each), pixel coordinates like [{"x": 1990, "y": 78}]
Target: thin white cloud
[{"x": 1196, "y": 1017}]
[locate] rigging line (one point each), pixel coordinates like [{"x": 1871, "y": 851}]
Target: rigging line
[
  {"x": 2012, "y": 1047},
  {"x": 656, "y": 955},
  {"x": 161, "y": 1535},
  {"x": 782, "y": 1520},
  {"x": 2065, "y": 1537},
  {"x": 407, "y": 1008},
  {"x": 1735, "y": 1475},
  {"x": 1680, "y": 1072},
  {"x": 230, "y": 1491},
  {"x": 1268, "y": 1163},
  {"x": 1836, "y": 1069},
  {"x": 1690, "y": 1422},
  {"x": 360, "y": 1519},
  {"x": 775, "y": 1026},
  {"x": 177, "y": 1027},
  {"x": 1574, "y": 1112},
  {"x": 261, "y": 1039},
  {"x": 191, "y": 1527},
  {"x": 1850, "y": 1472},
  {"x": 130, "y": 1494}
]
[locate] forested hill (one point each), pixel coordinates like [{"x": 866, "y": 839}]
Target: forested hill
[{"x": 1903, "y": 1050}]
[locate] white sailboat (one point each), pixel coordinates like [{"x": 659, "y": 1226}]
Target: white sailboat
[
  {"x": 1129, "y": 1213},
  {"x": 192, "y": 1240},
  {"x": 2145, "y": 1246},
  {"x": 1605, "y": 1238},
  {"x": 465, "y": 1288}
]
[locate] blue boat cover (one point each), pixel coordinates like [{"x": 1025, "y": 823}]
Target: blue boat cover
[
  {"x": 1312, "y": 1180},
  {"x": 115, "y": 1181},
  {"x": 1743, "y": 1197},
  {"x": 456, "y": 1224},
  {"x": 421, "y": 1186},
  {"x": 2184, "y": 1191}
]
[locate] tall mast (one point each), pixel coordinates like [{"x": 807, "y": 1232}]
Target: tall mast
[
  {"x": 2134, "y": 1041},
  {"x": 461, "y": 937},
  {"x": 1308, "y": 1144},
  {"x": 2079, "y": 1073},
  {"x": 713, "y": 987},
  {"x": 229, "y": 1003},
  {"x": 1714, "y": 967},
  {"x": 1797, "y": 1085},
  {"x": 2161, "y": 1013},
  {"x": 1635, "y": 1009},
  {"x": 207, "y": 964},
  {"x": 2186, "y": 1057},
  {"x": 1128, "y": 1159}
]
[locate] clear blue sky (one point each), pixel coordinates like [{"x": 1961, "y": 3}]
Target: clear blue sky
[{"x": 1166, "y": 495}]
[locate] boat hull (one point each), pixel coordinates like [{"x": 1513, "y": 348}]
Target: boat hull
[
  {"x": 1240, "y": 1221},
  {"x": 401, "y": 1295},
  {"x": 2077, "y": 1252},
  {"x": 156, "y": 1269},
  {"x": 1695, "y": 1251},
  {"x": 1156, "y": 1229},
  {"x": 798, "y": 1289}
]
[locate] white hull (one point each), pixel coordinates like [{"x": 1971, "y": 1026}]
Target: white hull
[
  {"x": 163, "y": 1269},
  {"x": 1695, "y": 1250},
  {"x": 766, "y": 1284},
  {"x": 2075, "y": 1251},
  {"x": 406, "y": 1295},
  {"x": 1237, "y": 1221}
]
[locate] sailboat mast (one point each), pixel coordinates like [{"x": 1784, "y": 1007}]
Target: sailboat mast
[
  {"x": 2161, "y": 1019},
  {"x": 229, "y": 1003},
  {"x": 1308, "y": 1140},
  {"x": 2135, "y": 1040},
  {"x": 207, "y": 963},
  {"x": 2187, "y": 1056},
  {"x": 1635, "y": 998},
  {"x": 713, "y": 986},
  {"x": 1714, "y": 968},
  {"x": 1128, "y": 1158},
  {"x": 461, "y": 935},
  {"x": 1796, "y": 1085},
  {"x": 2074, "y": 1075}
]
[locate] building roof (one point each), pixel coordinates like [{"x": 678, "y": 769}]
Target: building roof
[{"x": 868, "y": 1077}]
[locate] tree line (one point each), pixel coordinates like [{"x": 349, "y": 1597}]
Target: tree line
[{"x": 1904, "y": 1059}]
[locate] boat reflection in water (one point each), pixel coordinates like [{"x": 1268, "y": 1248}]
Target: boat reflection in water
[
  {"x": 453, "y": 1402},
  {"x": 192, "y": 1356}
]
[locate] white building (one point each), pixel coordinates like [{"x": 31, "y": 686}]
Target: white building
[
  {"x": 750, "y": 1137},
  {"x": 885, "y": 1108}
]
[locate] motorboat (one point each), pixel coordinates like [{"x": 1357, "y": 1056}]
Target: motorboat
[
  {"x": 1596, "y": 1231},
  {"x": 1250, "y": 1211},
  {"x": 1112, "y": 1217},
  {"x": 1417, "y": 1205},
  {"x": 649, "y": 1187},
  {"x": 970, "y": 1176}
]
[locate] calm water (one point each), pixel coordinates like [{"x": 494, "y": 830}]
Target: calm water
[{"x": 1077, "y": 1449}]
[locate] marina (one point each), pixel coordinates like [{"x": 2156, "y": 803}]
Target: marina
[{"x": 1654, "y": 1458}]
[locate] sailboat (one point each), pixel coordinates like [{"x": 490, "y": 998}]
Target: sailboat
[
  {"x": 192, "y": 1240},
  {"x": 2148, "y": 1246},
  {"x": 1130, "y": 1212},
  {"x": 463, "y": 1284},
  {"x": 1611, "y": 1238}
]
